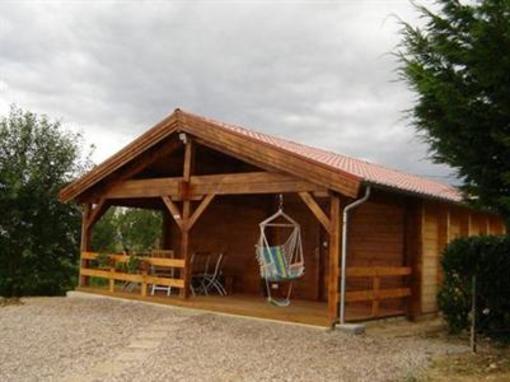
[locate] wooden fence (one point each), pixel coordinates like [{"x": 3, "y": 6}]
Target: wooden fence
[
  {"x": 376, "y": 294},
  {"x": 143, "y": 278}
]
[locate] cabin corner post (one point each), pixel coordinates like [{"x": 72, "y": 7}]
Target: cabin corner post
[
  {"x": 334, "y": 258},
  {"x": 189, "y": 162},
  {"x": 84, "y": 243},
  {"x": 413, "y": 249},
  {"x": 185, "y": 253}
]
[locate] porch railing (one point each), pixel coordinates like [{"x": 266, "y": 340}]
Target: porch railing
[
  {"x": 143, "y": 277},
  {"x": 376, "y": 294}
]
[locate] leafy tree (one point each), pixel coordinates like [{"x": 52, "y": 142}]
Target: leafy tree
[
  {"x": 140, "y": 229},
  {"x": 130, "y": 229},
  {"x": 486, "y": 258},
  {"x": 458, "y": 64},
  {"x": 39, "y": 236},
  {"x": 105, "y": 233}
]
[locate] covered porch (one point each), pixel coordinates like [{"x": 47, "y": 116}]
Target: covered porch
[{"x": 377, "y": 287}]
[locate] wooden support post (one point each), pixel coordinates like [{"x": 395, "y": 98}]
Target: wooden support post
[
  {"x": 444, "y": 237},
  {"x": 84, "y": 243},
  {"x": 187, "y": 260},
  {"x": 413, "y": 252},
  {"x": 334, "y": 258},
  {"x": 185, "y": 217},
  {"x": 111, "y": 282},
  {"x": 143, "y": 289}
]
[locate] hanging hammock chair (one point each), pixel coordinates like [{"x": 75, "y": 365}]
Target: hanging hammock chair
[{"x": 280, "y": 263}]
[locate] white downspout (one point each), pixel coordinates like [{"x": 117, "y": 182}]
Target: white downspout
[{"x": 345, "y": 219}]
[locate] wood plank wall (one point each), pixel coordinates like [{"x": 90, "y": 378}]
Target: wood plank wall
[
  {"x": 379, "y": 234},
  {"x": 442, "y": 223},
  {"x": 376, "y": 238},
  {"x": 430, "y": 259},
  {"x": 231, "y": 225}
]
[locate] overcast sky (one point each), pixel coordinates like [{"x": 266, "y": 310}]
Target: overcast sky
[{"x": 316, "y": 72}]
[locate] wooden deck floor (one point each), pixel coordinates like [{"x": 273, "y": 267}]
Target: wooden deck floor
[{"x": 299, "y": 311}]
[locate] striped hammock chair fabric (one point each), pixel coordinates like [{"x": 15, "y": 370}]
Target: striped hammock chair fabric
[{"x": 275, "y": 266}]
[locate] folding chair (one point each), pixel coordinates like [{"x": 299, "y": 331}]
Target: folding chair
[{"x": 209, "y": 277}]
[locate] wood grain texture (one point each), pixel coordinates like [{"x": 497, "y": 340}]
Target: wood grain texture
[
  {"x": 334, "y": 257},
  {"x": 135, "y": 278},
  {"x": 83, "y": 280},
  {"x": 316, "y": 210},
  {"x": 221, "y": 184},
  {"x": 174, "y": 211},
  {"x": 200, "y": 210}
]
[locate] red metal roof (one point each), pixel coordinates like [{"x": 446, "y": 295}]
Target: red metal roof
[{"x": 370, "y": 173}]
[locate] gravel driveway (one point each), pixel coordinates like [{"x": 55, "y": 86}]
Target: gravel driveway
[{"x": 83, "y": 339}]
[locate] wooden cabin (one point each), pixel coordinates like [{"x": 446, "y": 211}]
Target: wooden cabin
[{"x": 214, "y": 183}]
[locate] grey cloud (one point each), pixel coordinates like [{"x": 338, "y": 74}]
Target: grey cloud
[{"x": 319, "y": 73}]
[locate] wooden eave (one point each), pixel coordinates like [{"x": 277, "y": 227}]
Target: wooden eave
[
  {"x": 232, "y": 143},
  {"x": 147, "y": 140}
]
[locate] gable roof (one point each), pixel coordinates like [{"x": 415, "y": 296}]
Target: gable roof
[{"x": 350, "y": 171}]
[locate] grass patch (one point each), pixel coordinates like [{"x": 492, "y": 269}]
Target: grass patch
[{"x": 491, "y": 363}]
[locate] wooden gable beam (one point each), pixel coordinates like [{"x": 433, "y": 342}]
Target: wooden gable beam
[
  {"x": 245, "y": 148},
  {"x": 224, "y": 184},
  {"x": 138, "y": 165},
  {"x": 250, "y": 183},
  {"x": 145, "y": 188},
  {"x": 143, "y": 143}
]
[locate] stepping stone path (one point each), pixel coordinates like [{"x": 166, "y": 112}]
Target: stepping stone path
[{"x": 140, "y": 347}]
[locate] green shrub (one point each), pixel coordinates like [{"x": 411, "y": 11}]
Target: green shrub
[
  {"x": 487, "y": 258},
  {"x": 39, "y": 236}
]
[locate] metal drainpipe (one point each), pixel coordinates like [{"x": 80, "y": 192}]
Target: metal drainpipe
[{"x": 345, "y": 219}]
